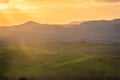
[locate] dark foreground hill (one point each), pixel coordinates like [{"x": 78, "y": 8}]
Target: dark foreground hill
[{"x": 91, "y": 31}]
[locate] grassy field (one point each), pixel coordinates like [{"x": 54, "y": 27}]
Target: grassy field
[{"x": 60, "y": 61}]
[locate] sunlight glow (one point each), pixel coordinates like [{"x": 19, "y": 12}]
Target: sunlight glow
[
  {"x": 4, "y": 6},
  {"x": 47, "y": 11}
]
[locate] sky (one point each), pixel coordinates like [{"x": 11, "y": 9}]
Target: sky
[{"x": 13, "y": 12}]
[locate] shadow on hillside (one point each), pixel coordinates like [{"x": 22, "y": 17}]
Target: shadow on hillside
[
  {"x": 71, "y": 78},
  {"x": 64, "y": 78},
  {"x": 5, "y": 58}
]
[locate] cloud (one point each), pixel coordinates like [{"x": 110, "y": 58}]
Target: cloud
[
  {"x": 4, "y": 1},
  {"x": 108, "y": 0},
  {"x": 25, "y": 4},
  {"x": 58, "y": 2}
]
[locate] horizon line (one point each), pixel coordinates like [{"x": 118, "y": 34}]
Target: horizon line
[{"x": 71, "y": 23}]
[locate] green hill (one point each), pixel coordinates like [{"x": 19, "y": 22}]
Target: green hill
[{"x": 60, "y": 60}]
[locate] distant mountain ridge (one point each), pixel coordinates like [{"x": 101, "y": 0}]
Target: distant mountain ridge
[{"x": 99, "y": 31}]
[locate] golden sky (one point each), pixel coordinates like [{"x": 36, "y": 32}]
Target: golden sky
[{"x": 57, "y": 11}]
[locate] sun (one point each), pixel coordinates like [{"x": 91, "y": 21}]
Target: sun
[{"x": 4, "y": 4}]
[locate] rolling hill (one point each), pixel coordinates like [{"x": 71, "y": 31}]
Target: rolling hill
[
  {"x": 61, "y": 52},
  {"x": 101, "y": 31}
]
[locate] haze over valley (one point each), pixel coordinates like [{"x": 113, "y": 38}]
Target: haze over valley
[{"x": 99, "y": 31}]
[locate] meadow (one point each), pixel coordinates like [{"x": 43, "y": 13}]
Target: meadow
[{"x": 60, "y": 61}]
